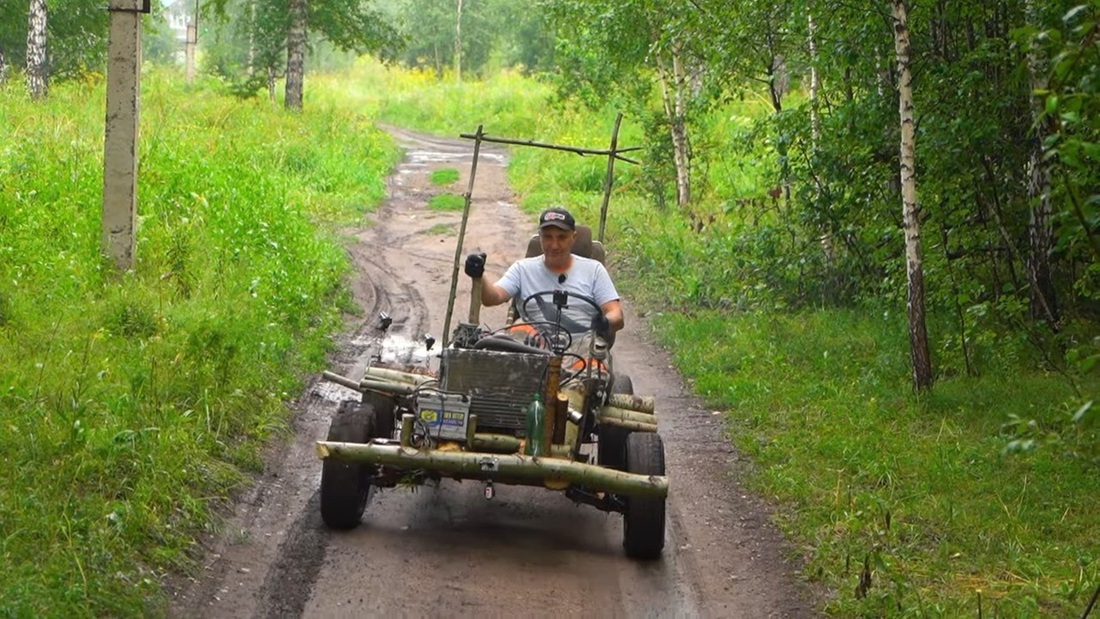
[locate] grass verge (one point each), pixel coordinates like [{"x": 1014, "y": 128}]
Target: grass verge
[{"x": 133, "y": 405}]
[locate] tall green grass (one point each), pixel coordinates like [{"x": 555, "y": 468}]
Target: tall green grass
[
  {"x": 918, "y": 495},
  {"x": 133, "y": 404},
  {"x": 919, "y": 488}
]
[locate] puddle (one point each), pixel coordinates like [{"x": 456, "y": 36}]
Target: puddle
[
  {"x": 406, "y": 351},
  {"x": 423, "y": 157}
]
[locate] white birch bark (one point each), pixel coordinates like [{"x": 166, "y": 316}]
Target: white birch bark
[
  {"x": 674, "y": 82},
  {"x": 918, "y": 331},
  {"x": 38, "y": 83},
  {"x": 458, "y": 40},
  {"x": 1044, "y": 305}
]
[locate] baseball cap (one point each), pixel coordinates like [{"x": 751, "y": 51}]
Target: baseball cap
[{"x": 557, "y": 216}]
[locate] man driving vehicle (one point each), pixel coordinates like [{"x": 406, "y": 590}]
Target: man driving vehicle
[{"x": 556, "y": 269}]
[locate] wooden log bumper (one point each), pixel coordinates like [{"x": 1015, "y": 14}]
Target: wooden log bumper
[
  {"x": 642, "y": 404},
  {"x": 386, "y": 374},
  {"x": 503, "y": 468},
  {"x": 402, "y": 387},
  {"x": 634, "y": 426},
  {"x": 622, "y": 414}
]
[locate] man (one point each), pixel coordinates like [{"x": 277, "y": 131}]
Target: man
[{"x": 556, "y": 269}]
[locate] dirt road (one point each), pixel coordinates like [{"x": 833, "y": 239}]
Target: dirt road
[{"x": 446, "y": 550}]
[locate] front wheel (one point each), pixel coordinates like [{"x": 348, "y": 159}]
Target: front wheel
[
  {"x": 345, "y": 486},
  {"x": 644, "y": 517}
]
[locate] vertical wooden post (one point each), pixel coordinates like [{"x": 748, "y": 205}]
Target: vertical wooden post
[
  {"x": 461, "y": 237},
  {"x": 120, "y": 144},
  {"x": 610, "y": 175}
]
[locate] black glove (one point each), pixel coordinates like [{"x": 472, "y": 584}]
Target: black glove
[
  {"x": 475, "y": 265},
  {"x": 601, "y": 325}
]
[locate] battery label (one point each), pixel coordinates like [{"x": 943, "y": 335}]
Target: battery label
[{"x": 445, "y": 416}]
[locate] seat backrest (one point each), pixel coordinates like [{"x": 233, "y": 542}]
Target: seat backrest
[{"x": 585, "y": 246}]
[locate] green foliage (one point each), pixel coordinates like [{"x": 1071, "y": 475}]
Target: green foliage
[
  {"x": 1072, "y": 107},
  {"x": 76, "y": 36},
  {"x": 134, "y": 404},
  {"x": 419, "y": 100},
  {"x": 490, "y": 34},
  {"x": 246, "y": 42}
]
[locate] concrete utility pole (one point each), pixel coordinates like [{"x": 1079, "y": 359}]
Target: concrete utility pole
[
  {"x": 192, "y": 43},
  {"x": 120, "y": 144},
  {"x": 189, "y": 49}
]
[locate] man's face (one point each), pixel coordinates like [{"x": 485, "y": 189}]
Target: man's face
[{"x": 557, "y": 243}]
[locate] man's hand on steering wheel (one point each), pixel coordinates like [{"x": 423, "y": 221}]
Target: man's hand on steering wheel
[{"x": 601, "y": 325}]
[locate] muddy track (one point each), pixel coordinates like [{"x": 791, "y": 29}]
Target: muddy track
[{"x": 445, "y": 550}]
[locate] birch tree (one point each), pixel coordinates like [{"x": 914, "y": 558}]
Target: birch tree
[
  {"x": 918, "y": 331},
  {"x": 1043, "y": 302},
  {"x": 458, "y": 40},
  {"x": 38, "y": 77},
  {"x": 296, "y": 54}
]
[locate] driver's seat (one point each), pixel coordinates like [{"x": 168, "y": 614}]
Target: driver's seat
[{"x": 585, "y": 246}]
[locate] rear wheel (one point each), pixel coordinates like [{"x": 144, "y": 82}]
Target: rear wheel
[
  {"x": 345, "y": 486},
  {"x": 611, "y": 451},
  {"x": 644, "y": 517}
]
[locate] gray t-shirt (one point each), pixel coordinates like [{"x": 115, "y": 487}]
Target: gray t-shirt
[{"x": 586, "y": 276}]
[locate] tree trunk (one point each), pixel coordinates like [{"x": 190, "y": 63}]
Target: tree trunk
[
  {"x": 815, "y": 83},
  {"x": 38, "y": 78},
  {"x": 779, "y": 82},
  {"x": 828, "y": 250},
  {"x": 458, "y": 40},
  {"x": 673, "y": 85},
  {"x": 3, "y": 67},
  {"x": 918, "y": 331},
  {"x": 1044, "y": 302},
  {"x": 251, "y": 38},
  {"x": 295, "y": 54},
  {"x": 271, "y": 84}
]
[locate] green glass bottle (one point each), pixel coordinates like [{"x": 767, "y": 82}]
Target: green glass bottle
[{"x": 536, "y": 421}]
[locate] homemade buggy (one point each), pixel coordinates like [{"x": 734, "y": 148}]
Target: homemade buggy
[{"x": 548, "y": 411}]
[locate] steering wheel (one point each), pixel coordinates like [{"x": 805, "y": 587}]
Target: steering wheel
[
  {"x": 548, "y": 334},
  {"x": 556, "y": 330}
]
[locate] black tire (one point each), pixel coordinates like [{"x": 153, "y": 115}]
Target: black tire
[
  {"x": 644, "y": 518},
  {"x": 345, "y": 487},
  {"x": 384, "y": 421},
  {"x": 611, "y": 451}
]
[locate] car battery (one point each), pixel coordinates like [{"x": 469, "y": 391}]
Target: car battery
[{"x": 445, "y": 414}]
